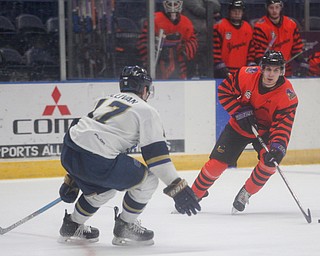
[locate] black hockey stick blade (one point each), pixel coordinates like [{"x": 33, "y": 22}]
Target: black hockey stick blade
[{"x": 308, "y": 216}]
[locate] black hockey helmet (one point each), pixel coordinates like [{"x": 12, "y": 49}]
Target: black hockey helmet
[
  {"x": 134, "y": 79},
  {"x": 273, "y": 58},
  {"x": 236, "y": 4},
  {"x": 269, "y": 2}
]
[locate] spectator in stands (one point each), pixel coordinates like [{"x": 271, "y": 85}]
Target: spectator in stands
[
  {"x": 196, "y": 11},
  {"x": 178, "y": 45},
  {"x": 232, "y": 42},
  {"x": 275, "y": 31},
  {"x": 314, "y": 64}
]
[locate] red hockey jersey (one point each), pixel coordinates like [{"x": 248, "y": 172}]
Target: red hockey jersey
[
  {"x": 233, "y": 45},
  {"x": 284, "y": 37},
  {"x": 185, "y": 49},
  {"x": 274, "y": 109}
]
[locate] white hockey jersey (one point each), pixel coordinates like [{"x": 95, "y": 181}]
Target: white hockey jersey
[{"x": 122, "y": 121}]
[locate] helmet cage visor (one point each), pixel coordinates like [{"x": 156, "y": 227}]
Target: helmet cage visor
[{"x": 171, "y": 6}]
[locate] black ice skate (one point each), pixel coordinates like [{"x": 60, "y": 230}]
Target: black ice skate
[
  {"x": 130, "y": 233},
  {"x": 241, "y": 200},
  {"x": 74, "y": 232},
  {"x": 205, "y": 195}
]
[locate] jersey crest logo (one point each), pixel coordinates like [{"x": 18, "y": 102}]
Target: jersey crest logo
[
  {"x": 251, "y": 70},
  {"x": 228, "y": 35},
  {"x": 291, "y": 94},
  {"x": 248, "y": 94}
]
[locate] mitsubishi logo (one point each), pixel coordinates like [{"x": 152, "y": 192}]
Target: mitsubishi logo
[{"x": 63, "y": 109}]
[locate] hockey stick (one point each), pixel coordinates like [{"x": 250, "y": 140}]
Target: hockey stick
[
  {"x": 273, "y": 39},
  {"x": 161, "y": 39},
  {"x": 307, "y": 216},
  {"x": 29, "y": 217},
  {"x": 306, "y": 49}
]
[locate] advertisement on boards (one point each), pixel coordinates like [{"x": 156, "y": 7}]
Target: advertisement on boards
[{"x": 35, "y": 117}]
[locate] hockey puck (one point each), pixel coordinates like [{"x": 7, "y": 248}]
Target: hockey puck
[{"x": 318, "y": 220}]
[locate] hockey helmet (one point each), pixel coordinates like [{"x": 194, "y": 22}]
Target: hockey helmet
[
  {"x": 269, "y": 2},
  {"x": 134, "y": 79},
  {"x": 273, "y": 58},
  {"x": 171, "y": 6},
  {"x": 236, "y": 4}
]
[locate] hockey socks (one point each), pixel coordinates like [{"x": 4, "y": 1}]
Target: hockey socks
[
  {"x": 209, "y": 173},
  {"x": 259, "y": 176},
  {"x": 83, "y": 210}
]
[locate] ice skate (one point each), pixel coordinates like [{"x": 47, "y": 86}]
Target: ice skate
[
  {"x": 240, "y": 201},
  {"x": 205, "y": 195},
  {"x": 130, "y": 234},
  {"x": 74, "y": 232}
]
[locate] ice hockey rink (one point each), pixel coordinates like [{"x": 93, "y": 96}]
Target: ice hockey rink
[{"x": 272, "y": 223}]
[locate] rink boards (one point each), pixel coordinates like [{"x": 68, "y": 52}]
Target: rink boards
[{"x": 36, "y": 116}]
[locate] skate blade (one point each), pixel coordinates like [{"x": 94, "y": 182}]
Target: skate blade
[
  {"x": 76, "y": 240},
  {"x": 234, "y": 211},
  {"x": 128, "y": 242}
]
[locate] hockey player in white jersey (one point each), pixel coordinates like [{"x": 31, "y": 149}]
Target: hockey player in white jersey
[{"x": 94, "y": 154}]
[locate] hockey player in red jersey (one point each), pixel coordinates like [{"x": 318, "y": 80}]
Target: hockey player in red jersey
[
  {"x": 179, "y": 44},
  {"x": 278, "y": 32},
  {"x": 232, "y": 42},
  {"x": 257, "y": 96}
]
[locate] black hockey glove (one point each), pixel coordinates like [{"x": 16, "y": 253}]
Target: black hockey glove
[
  {"x": 245, "y": 118},
  {"x": 303, "y": 70},
  {"x": 183, "y": 196},
  {"x": 276, "y": 153},
  {"x": 221, "y": 70},
  {"x": 69, "y": 190}
]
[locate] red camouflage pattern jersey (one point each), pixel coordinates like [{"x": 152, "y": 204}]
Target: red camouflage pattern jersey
[
  {"x": 184, "y": 27},
  {"x": 233, "y": 45},
  {"x": 274, "y": 109},
  {"x": 288, "y": 39}
]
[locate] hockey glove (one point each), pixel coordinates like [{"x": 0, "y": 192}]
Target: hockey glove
[
  {"x": 245, "y": 118},
  {"x": 303, "y": 69},
  {"x": 183, "y": 196},
  {"x": 172, "y": 40},
  {"x": 276, "y": 153},
  {"x": 221, "y": 70},
  {"x": 69, "y": 190}
]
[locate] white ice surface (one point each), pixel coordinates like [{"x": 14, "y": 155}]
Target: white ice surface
[{"x": 272, "y": 223}]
